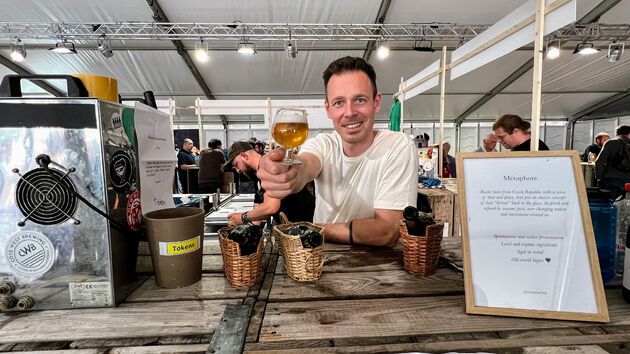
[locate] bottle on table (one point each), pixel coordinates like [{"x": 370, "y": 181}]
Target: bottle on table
[
  {"x": 417, "y": 221},
  {"x": 247, "y": 236}
]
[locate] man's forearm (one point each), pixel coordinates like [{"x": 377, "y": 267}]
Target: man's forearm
[{"x": 366, "y": 232}]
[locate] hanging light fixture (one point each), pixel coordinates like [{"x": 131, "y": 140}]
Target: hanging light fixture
[
  {"x": 64, "y": 47},
  {"x": 18, "y": 51},
  {"x": 423, "y": 46},
  {"x": 615, "y": 50},
  {"x": 585, "y": 48},
  {"x": 246, "y": 48},
  {"x": 383, "y": 50},
  {"x": 201, "y": 51},
  {"x": 553, "y": 50},
  {"x": 291, "y": 48},
  {"x": 105, "y": 47}
]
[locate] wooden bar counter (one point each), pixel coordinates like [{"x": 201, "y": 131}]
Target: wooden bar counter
[{"x": 364, "y": 302}]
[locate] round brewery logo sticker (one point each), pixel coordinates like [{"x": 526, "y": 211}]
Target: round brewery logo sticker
[
  {"x": 134, "y": 211},
  {"x": 120, "y": 171},
  {"x": 29, "y": 253}
]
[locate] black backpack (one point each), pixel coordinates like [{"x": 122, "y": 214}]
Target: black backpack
[{"x": 621, "y": 161}]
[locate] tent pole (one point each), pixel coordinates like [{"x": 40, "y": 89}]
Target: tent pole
[
  {"x": 442, "y": 92},
  {"x": 537, "y": 79}
]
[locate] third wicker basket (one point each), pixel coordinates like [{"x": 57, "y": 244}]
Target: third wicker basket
[
  {"x": 302, "y": 264},
  {"x": 421, "y": 253}
]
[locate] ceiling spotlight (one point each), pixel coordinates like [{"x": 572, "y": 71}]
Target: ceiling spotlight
[
  {"x": 105, "y": 47},
  {"x": 201, "y": 51},
  {"x": 291, "y": 50},
  {"x": 246, "y": 48},
  {"x": 553, "y": 50},
  {"x": 585, "y": 48},
  {"x": 18, "y": 51},
  {"x": 64, "y": 47},
  {"x": 615, "y": 50},
  {"x": 383, "y": 51},
  {"x": 423, "y": 46}
]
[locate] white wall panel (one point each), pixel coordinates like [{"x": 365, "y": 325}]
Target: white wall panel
[
  {"x": 468, "y": 139},
  {"x": 604, "y": 125},
  {"x": 582, "y": 135}
]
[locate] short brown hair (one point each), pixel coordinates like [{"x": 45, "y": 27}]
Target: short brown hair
[
  {"x": 347, "y": 64},
  {"x": 622, "y": 130},
  {"x": 509, "y": 122}
]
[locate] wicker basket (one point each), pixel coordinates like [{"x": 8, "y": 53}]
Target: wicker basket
[
  {"x": 421, "y": 253},
  {"x": 241, "y": 271},
  {"x": 302, "y": 264}
]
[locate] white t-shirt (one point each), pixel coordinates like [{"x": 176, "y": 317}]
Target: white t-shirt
[{"x": 385, "y": 176}]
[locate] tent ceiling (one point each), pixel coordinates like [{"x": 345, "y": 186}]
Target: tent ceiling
[{"x": 155, "y": 65}]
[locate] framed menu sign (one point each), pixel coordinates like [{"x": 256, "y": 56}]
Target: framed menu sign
[{"x": 528, "y": 242}]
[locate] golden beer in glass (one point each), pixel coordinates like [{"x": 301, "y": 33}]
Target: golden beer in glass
[{"x": 290, "y": 129}]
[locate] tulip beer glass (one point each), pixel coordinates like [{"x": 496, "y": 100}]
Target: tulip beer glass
[{"x": 290, "y": 129}]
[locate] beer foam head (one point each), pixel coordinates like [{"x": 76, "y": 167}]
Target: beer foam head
[{"x": 285, "y": 115}]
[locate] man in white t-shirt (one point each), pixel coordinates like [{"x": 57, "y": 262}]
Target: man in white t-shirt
[{"x": 364, "y": 178}]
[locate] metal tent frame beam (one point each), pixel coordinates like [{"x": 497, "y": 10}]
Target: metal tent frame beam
[
  {"x": 164, "y": 30},
  {"x": 380, "y": 19},
  {"x": 159, "y": 15}
]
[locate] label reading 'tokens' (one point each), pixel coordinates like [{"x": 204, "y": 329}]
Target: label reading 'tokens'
[{"x": 179, "y": 247}]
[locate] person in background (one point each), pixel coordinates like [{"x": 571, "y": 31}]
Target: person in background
[
  {"x": 364, "y": 178},
  {"x": 611, "y": 169},
  {"x": 489, "y": 144},
  {"x": 185, "y": 160},
  {"x": 259, "y": 147},
  {"x": 595, "y": 148},
  {"x": 513, "y": 133},
  {"x": 448, "y": 161},
  {"x": 211, "y": 167},
  {"x": 297, "y": 207}
]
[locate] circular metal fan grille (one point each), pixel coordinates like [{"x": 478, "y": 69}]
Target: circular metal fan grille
[{"x": 42, "y": 199}]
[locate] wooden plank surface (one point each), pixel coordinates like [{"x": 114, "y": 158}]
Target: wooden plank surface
[
  {"x": 435, "y": 192},
  {"x": 190, "y": 348},
  {"x": 288, "y": 321},
  {"x": 488, "y": 345},
  {"x": 210, "y": 264},
  {"x": 127, "y": 320},
  {"x": 210, "y": 287},
  {"x": 362, "y": 285},
  {"x": 356, "y": 262},
  {"x": 451, "y": 249},
  {"x": 67, "y": 351}
]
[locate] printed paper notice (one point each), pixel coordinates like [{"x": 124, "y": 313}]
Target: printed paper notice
[
  {"x": 157, "y": 158},
  {"x": 157, "y": 193},
  {"x": 527, "y": 243}
]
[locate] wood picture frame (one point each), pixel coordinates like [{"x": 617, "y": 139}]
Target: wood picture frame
[{"x": 525, "y": 252}]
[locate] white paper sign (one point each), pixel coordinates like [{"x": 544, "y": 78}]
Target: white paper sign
[
  {"x": 526, "y": 236},
  {"x": 157, "y": 160}
]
